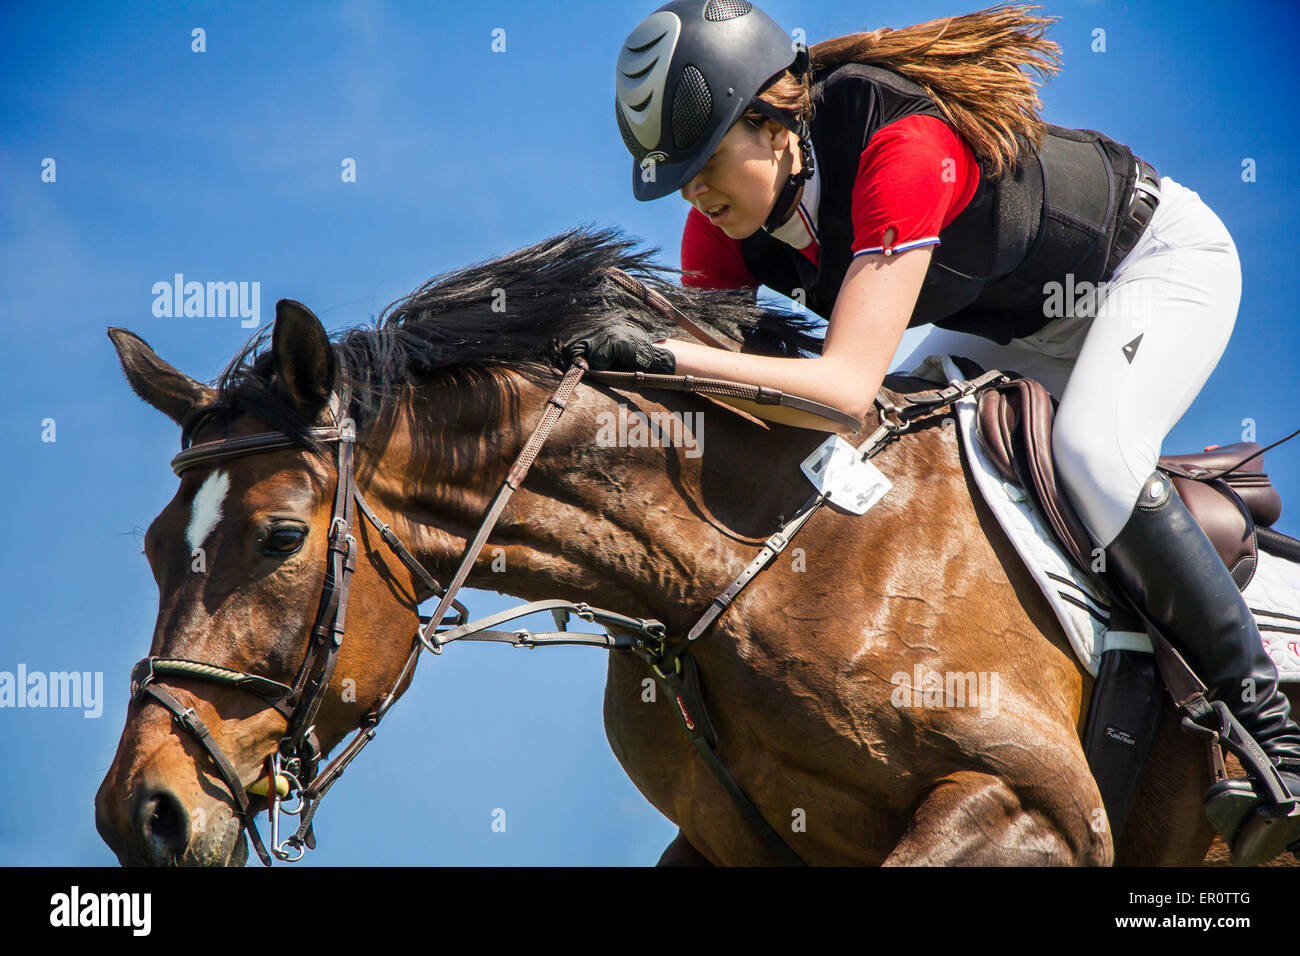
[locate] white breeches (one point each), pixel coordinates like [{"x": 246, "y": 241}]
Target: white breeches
[{"x": 1178, "y": 289}]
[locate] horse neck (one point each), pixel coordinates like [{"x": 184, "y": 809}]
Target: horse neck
[{"x": 643, "y": 529}]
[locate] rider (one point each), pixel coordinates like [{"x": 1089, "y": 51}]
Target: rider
[{"x": 900, "y": 177}]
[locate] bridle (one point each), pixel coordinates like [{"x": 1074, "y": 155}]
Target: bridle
[{"x": 294, "y": 765}]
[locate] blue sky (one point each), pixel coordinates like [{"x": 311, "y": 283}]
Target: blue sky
[{"x": 225, "y": 165}]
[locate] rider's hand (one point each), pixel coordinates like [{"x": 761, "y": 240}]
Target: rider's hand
[{"x": 623, "y": 348}]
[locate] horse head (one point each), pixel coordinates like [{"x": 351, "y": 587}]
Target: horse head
[{"x": 240, "y": 555}]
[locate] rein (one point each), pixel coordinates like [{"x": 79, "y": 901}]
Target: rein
[{"x": 293, "y": 766}]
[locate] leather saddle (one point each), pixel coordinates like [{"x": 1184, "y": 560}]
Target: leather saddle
[{"x": 1235, "y": 510}]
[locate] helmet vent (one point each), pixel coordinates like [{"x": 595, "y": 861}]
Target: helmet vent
[
  {"x": 629, "y": 140},
  {"x": 692, "y": 106},
  {"x": 726, "y": 9},
  {"x": 651, "y": 41}
]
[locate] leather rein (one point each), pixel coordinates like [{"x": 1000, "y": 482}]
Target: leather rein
[{"x": 294, "y": 766}]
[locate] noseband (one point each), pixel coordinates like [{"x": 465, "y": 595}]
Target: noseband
[{"x": 293, "y": 766}]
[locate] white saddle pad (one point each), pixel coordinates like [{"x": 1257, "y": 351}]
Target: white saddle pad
[{"x": 1273, "y": 595}]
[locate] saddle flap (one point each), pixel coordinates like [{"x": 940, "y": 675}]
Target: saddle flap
[
  {"x": 996, "y": 428},
  {"x": 1015, "y": 421}
]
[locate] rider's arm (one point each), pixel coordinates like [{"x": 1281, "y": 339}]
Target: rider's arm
[
  {"x": 874, "y": 305},
  {"x": 914, "y": 177}
]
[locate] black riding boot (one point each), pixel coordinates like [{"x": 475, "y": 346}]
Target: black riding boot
[{"x": 1165, "y": 564}]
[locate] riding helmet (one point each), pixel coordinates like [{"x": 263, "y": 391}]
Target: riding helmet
[{"x": 685, "y": 75}]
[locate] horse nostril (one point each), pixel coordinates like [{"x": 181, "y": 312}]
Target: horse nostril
[{"x": 164, "y": 824}]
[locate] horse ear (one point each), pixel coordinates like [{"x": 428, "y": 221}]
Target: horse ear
[
  {"x": 173, "y": 393},
  {"x": 304, "y": 361}
]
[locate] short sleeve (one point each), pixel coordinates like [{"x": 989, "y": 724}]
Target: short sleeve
[
  {"x": 915, "y": 176},
  {"x": 711, "y": 259}
]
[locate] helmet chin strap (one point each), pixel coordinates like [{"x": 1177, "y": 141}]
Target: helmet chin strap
[
  {"x": 785, "y": 202},
  {"x": 783, "y": 208}
]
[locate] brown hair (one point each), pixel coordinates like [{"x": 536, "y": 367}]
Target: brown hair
[{"x": 971, "y": 66}]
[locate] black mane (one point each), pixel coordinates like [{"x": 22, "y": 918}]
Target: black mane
[{"x": 515, "y": 312}]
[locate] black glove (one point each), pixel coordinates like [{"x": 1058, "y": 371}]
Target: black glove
[{"x": 623, "y": 348}]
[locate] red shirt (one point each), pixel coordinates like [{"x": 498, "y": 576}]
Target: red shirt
[{"x": 916, "y": 175}]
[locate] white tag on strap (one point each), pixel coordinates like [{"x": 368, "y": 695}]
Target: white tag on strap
[{"x": 837, "y": 470}]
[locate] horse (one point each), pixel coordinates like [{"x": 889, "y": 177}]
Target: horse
[{"x": 807, "y": 674}]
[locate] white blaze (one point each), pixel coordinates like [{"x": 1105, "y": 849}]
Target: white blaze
[{"x": 207, "y": 508}]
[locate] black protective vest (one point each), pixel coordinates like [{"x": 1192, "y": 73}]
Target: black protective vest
[{"x": 1056, "y": 214}]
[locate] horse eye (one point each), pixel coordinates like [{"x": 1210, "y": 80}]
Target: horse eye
[{"x": 284, "y": 540}]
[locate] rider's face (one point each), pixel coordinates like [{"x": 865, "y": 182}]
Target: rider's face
[{"x": 740, "y": 183}]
